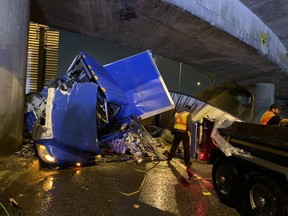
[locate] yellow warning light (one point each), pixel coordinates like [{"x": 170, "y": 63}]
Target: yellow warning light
[{"x": 264, "y": 39}]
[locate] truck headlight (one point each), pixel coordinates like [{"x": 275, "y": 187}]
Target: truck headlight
[{"x": 44, "y": 154}]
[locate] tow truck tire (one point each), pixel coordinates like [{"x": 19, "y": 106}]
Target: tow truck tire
[
  {"x": 226, "y": 181},
  {"x": 264, "y": 196}
]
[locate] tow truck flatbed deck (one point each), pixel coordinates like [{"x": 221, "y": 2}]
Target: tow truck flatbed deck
[{"x": 267, "y": 142}]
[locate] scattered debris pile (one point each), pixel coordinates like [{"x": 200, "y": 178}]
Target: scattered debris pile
[
  {"x": 27, "y": 149},
  {"x": 137, "y": 143}
]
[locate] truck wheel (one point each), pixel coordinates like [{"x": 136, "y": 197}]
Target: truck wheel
[
  {"x": 264, "y": 196},
  {"x": 226, "y": 181}
]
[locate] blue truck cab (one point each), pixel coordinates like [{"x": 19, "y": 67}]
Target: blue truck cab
[{"x": 93, "y": 104}]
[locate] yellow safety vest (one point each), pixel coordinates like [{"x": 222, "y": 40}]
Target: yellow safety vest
[
  {"x": 181, "y": 120},
  {"x": 266, "y": 117}
]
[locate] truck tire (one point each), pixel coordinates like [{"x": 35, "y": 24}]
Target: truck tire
[
  {"x": 264, "y": 196},
  {"x": 226, "y": 181}
]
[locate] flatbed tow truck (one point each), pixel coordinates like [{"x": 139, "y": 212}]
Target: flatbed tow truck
[{"x": 249, "y": 165}]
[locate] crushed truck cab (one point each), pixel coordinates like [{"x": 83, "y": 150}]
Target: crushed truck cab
[{"x": 92, "y": 104}]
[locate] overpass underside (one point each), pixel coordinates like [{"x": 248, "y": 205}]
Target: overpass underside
[{"x": 169, "y": 30}]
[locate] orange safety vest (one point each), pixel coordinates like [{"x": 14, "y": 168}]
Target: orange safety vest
[
  {"x": 266, "y": 117},
  {"x": 181, "y": 120}
]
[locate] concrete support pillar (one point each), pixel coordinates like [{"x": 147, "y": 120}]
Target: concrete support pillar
[
  {"x": 264, "y": 97},
  {"x": 14, "y": 24}
]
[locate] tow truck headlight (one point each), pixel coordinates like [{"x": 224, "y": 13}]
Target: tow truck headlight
[{"x": 44, "y": 154}]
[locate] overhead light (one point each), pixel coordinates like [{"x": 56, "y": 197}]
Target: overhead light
[{"x": 198, "y": 83}]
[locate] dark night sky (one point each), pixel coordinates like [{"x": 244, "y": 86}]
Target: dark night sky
[{"x": 106, "y": 52}]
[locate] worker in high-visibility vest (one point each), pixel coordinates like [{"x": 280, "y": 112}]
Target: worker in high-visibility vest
[
  {"x": 182, "y": 132},
  {"x": 272, "y": 116}
]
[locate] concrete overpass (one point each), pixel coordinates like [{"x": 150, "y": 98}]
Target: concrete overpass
[{"x": 224, "y": 37}]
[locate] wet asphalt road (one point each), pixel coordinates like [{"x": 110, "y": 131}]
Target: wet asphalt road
[{"x": 117, "y": 188}]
